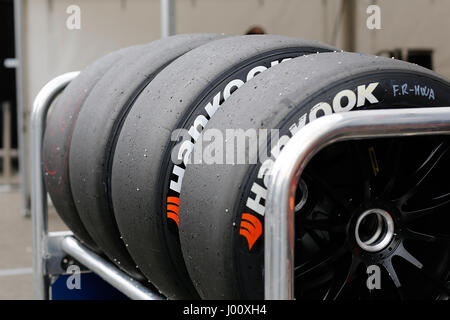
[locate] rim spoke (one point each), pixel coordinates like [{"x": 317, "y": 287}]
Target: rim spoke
[
  {"x": 437, "y": 203},
  {"x": 423, "y": 172},
  {"x": 439, "y": 284},
  {"x": 406, "y": 255},
  {"x": 325, "y": 188},
  {"x": 413, "y": 235},
  {"x": 387, "y": 264},
  {"x": 322, "y": 259},
  {"x": 321, "y": 242},
  {"x": 395, "y": 152},
  {"x": 342, "y": 277},
  {"x": 321, "y": 224},
  {"x": 358, "y": 159},
  {"x": 367, "y": 190}
]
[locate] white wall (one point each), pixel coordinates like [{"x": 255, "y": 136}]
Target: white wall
[
  {"x": 409, "y": 24},
  {"x": 51, "y": 49}
]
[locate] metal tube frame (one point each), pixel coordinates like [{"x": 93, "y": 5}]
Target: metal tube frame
[
  {"x": 168, "y": 19},
  {"x": 24, "y": 173},
  {"x": 6, "y": 154},
  {"x": 287, "y": 169},
  {"x": 50, "y": 248}
]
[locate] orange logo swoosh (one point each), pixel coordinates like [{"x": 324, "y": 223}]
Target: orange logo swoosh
[
  {"x": 172, "y": 208},
  {"x": 251, "y": 229}
]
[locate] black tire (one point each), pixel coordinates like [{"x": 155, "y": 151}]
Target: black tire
[
  {"x": 224, "y": 264},
  {"x": 142, "y": 159},
  {"x": 57, "y": 138},
  {"x": 95, "y": 134}
]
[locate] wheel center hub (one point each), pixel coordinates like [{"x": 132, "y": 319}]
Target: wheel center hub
[{"x": 374, "y": 230}]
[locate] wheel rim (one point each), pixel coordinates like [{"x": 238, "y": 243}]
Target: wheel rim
[{"x": 390, "y": 212}]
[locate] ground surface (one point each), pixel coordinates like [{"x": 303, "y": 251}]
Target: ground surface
[{"x": 15, "y": 246}]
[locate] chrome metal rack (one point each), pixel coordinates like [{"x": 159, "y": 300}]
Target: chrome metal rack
[{"x": 50, "y": 248}]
